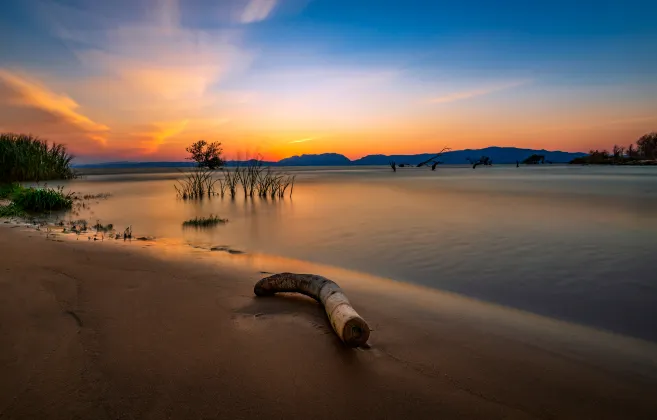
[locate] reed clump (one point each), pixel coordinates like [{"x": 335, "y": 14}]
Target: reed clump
[
  {"x": 39, "y": 199},
  {"x": 253, "y": 177},
  {"x": 256, "y": 179},
  {"x": 198, "y": 183},
  {"x": 24, "y": 157},
  {"x": 200, "y": 222}
]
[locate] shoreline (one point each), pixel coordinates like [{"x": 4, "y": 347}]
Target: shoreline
[{"x": 104, "y": 322}]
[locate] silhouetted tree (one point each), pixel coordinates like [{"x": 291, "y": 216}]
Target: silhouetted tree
[
  {"x": 631, "y": 151},
  {"x": 393, "y": 165},
  {"x": 618, "y": 151},
  {"x": 534, "y": 159},
  {"x": 206, "y": 155},
  {"x": 484, "y": 160},
  {"x": 647, "y": 146}
]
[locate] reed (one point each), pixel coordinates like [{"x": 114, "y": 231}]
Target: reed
[
  {"x": 24, "y": 157},
  {"x": 198, "y": 183},
  {"x": 253, "y": 178}
]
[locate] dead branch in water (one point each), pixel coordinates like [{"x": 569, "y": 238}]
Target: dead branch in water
[{"x": 445, "y": 149}]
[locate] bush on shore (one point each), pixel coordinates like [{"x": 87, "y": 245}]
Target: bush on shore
[
  {"x": 34, "y": 199},
  {"x": 25, "y": 158}
]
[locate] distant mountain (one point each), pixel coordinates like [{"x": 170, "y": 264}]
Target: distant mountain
[
  {"x": 324, "y": 159},
  {"x": 497, "y": 154}
]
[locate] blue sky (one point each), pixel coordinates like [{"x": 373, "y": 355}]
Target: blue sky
[{"x": 139, "y": 79}]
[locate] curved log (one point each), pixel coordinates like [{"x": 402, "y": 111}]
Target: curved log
[{"x": 348, "y": 325}]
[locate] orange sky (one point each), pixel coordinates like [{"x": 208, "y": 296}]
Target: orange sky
[{"x": 144, "y": 88}]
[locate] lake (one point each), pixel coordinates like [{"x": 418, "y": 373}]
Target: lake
[{"x": 574, "y": 243}]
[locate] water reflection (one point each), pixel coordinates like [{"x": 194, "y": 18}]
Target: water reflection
[{"x": 569, "y": 242}]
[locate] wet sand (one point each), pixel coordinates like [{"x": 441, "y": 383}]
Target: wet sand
[{"x": 133, "y": 331}]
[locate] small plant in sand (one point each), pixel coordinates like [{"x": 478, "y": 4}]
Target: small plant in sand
[{"x": 209, "y": 221}]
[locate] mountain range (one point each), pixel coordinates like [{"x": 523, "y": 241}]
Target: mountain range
[{"x": 497, "y": 154}]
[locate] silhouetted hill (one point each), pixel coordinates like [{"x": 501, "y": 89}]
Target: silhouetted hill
[
  {"x": 324, "y": 159},
  {"x": 455, "y": 157},
  {"x": 497, "y": 154}
]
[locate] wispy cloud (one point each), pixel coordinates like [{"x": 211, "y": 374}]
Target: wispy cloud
[
  {"x": 157, "y": 133},
  {"x": 31, "y": 94},
  {"x": 303, "y": 140},
  {"x": 257, "y": 10},
  {"x": 458, "y": 96}
]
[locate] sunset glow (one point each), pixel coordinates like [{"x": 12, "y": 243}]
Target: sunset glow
[{"x": 140, "y": 80}]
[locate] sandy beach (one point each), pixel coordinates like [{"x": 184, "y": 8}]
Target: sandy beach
[{"x": 145, "y": 331}]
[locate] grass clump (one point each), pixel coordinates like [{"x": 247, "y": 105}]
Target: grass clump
[
  {"x": 24, "y": 157},
  {"x": 7, "y": 190},
  {"x": 12, "y": 210},
  {"x": 41, "y": 199},
  {"x": 209, "y": 221}
]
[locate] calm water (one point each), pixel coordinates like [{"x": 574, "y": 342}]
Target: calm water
[{"x": 576, "y": 243}]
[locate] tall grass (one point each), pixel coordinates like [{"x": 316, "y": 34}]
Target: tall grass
[
  {"x": 24, "y": 157},
  {"x": 254, "y": 179}
]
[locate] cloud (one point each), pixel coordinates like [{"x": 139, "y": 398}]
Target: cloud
[
  {"x": 154, "y": 135},
  {"x": 257, "y": 10},
  {"x": 29, "y": 94},
  {"x": 303, "y": 140},
  {"x": 144, "y": 66},
  {"x": 458, "y": 96}
]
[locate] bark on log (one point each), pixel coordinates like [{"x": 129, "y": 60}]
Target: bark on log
[{"x": 350, "y": 327}]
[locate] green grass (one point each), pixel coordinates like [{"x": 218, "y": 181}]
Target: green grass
[
  {"x": 7, "y": 190},
  {"x": 204, "y": 221},
  {"x": 12, "y": 210},
  {"x": 24, "y": 157},
  {"x": 38, "y": 199}
]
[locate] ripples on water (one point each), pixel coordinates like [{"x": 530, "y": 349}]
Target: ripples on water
[{"x": 576, "y": 243}]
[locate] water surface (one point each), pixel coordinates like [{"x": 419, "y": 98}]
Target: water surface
[{"x": 575, "y": 243}]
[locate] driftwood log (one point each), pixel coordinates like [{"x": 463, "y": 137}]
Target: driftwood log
[{"x": 348, "y": 325}]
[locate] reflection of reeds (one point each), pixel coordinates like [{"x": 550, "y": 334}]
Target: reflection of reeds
[{"x": 204, "y": 221}]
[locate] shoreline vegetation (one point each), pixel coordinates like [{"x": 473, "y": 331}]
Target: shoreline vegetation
[
  {"x": 26, "y": 158},
  {"x": 641, "y": 153}
]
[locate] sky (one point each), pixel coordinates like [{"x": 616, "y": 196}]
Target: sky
[{"x": 142, "y": 79}]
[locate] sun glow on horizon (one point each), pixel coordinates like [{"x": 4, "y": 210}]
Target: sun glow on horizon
[{"x": 143, "y": 83}]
